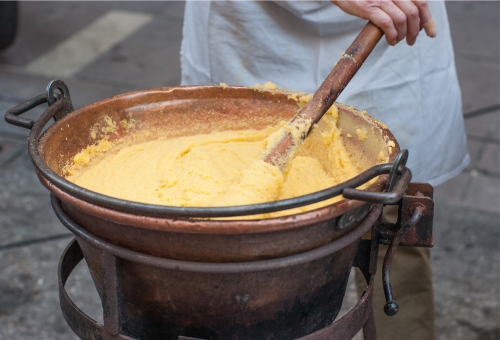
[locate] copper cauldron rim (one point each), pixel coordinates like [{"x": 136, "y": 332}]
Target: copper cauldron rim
[
  {"x": 161, "y": 216},
  {"x": 204, "y": 226}
]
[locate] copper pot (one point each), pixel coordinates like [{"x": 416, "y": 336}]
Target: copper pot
[{"x": 186, "y": 234}]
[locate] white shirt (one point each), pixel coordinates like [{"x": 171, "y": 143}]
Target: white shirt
[{"x": 412, "y": 89}]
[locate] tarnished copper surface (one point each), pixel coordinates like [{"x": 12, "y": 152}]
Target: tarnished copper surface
[
  {"x": 86, "y": 328},
  {"x": 162, "y": 275},
  {"x": 175, "y": 111},
  {"x": 147, "y": 297}
]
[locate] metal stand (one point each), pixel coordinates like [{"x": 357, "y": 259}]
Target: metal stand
[
  {"x": 360, "y": 317},
  {"x": 415, "y": 207}
]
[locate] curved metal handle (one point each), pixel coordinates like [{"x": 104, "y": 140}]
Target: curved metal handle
[
  {"x": 399, "y": 178},
  {"x": 50, "y": 97},
  {"x": 391, "y": 307},
  {"x": 12, "y": 115},
  {"x": 391, "y": 197}
]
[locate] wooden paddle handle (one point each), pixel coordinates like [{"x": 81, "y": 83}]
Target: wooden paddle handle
[{"x": 343, "y": 71}]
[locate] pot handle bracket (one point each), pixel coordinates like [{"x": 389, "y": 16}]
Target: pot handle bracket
[
  {"x": 399, "y": 177},
  {"x": 415, "y": 217},
  {"x": 413, "y": 228},
  {"x": 58, "y": 98}
]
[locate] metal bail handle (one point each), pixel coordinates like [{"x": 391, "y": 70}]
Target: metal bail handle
[
  {"x": 12, "y": 116},
  {"x": 399, "y": 178}
]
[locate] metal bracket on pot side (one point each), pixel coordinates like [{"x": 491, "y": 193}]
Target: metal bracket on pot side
[
  {"x": 408, "y": 196},
  {"x": 413, "y": 228},
  {"x": 418, "y": 195},
  {"x": 414, "y": 224}
]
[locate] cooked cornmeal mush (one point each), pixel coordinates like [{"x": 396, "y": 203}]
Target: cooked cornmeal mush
[{"x": 220, "y": 168}]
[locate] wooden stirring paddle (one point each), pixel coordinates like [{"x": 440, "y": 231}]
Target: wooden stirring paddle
[{"x": 297, "y": 129}]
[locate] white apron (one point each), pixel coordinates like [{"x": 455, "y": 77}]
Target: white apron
[{"x": 413, "y": 90}]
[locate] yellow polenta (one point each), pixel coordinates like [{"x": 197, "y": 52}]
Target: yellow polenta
[{"x": 220, "y": 168}]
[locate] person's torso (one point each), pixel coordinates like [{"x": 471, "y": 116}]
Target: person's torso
[{"x": 412, "y": 89}]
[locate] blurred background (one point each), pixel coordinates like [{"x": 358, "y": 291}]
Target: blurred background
[{"x": 105, "y": 48}]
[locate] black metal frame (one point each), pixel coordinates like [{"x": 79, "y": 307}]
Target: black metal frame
[
  {"x": 359, "y": 317},
  {"x": 415, "y": 230}
]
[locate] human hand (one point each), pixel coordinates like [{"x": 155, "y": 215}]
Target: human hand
[{"x": 398, "y": 19}]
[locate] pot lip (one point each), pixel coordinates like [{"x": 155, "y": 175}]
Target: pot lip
[
  {"x": 205, "y": 226},
  {"x": 130, "y": 212}
]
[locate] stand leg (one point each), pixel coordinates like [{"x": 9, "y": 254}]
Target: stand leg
[{"x": 369, "y": 329}]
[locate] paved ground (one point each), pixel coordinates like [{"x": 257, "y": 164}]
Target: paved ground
[{"x": 140, "y": 50}]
